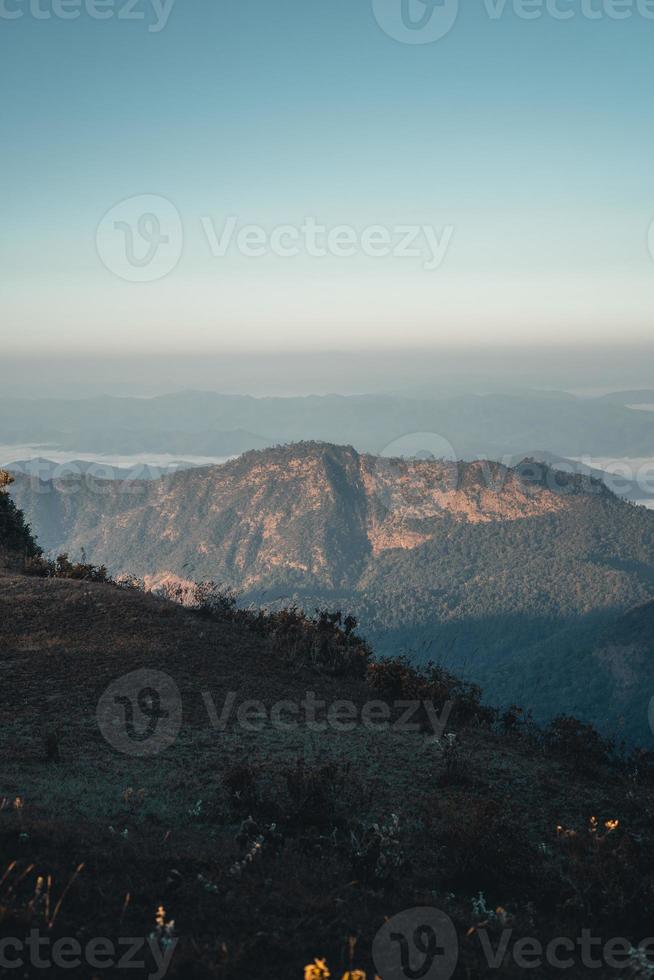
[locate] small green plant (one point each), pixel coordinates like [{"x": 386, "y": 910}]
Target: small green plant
[{"x": 16, "y": 539}]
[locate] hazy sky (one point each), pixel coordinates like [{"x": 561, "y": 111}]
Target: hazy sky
[{"x": 523, "y": 146}]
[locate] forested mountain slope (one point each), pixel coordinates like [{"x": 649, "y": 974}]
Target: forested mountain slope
[{"x": 471, "y": 564}]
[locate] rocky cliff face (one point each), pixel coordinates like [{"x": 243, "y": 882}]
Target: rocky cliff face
[{"x": 310, "y": 513}]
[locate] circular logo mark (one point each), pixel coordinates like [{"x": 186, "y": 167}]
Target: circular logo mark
[
  {"x": 416, "y": 21},
  {"x": 141, "y": 713},
  {"x": 418, "y": 943},
  {"x": 141, "y": 239}
]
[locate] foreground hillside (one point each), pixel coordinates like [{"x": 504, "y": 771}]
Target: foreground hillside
[
  {"x": 271, "y": 847},
  {"x": 480, "y": 567}
]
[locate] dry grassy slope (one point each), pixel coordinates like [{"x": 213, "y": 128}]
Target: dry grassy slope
[
  {"x": 62, "y": 642},
  {"x": 313, "y": 511}
]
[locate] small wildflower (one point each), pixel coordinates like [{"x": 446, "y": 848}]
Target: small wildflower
[
  {"x": 317, "y": 970},
  {"x": 164, "y": 932},
  {"x": 38, "y": 897}
]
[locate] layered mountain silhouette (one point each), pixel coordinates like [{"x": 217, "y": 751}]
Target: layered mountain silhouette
[{"x": 209, "y": 423}]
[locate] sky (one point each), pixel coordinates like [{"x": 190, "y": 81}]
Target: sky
[{"x": 247, "y": 175}]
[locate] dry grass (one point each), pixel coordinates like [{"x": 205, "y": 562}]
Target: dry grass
[{"x": 170, "y": 830}]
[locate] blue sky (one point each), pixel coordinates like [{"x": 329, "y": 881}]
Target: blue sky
[{"x": 530, "y": 140}]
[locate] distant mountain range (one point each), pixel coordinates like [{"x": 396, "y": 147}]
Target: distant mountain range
[
  {"x": 509, "y": 575},
  {"x": 206, "y": 423}
]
